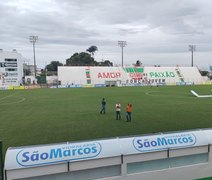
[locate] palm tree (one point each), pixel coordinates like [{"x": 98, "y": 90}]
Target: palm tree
[{"x": 92, "y": 50}]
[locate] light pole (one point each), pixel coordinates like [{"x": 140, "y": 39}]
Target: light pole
[
  {"x": 122, "y": 44},
  {"x": 192, "y": 48},
  {"x": 33, "y": 40}
]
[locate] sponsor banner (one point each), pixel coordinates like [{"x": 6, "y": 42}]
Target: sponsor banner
[
  {"x": 189, "y": 83},
  {"x": 32, "y": 87},
  {"x": 8, "y": 64},
  {"x": 3, "y": 88},
  {"x": 180, "y": 83},
  {"x": 68, "y": 86},
  {"x": 130, "y": 85},
  {"x": 26, "y": 157},
  {"x": 163, "y": 142},
  {"x": 53, "y": 154},
  {"x": 209, "y": 136},
  {"x": 74, "y": 85},
  {"x": 99, "y": 85},
  {"x": 53, "y": 87},
  {"x": 161, "y": 84},
  {"x": 184, "y": 83},
  {"x": 16, "y": 87},
  {"x": 88, "y": 85}
]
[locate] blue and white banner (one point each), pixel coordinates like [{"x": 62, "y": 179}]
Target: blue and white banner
[
  {"x": 26, "y": 157},
  {"x": 160, "y": 142},
  {"x": 54, "y": 154}
]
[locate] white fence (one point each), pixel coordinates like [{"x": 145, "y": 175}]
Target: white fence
[{"x": 180, "y": 155}]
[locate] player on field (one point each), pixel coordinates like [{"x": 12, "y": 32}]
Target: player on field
[
  {"x": 103, "y": 103},
  {"x": 118, "y": 111}
]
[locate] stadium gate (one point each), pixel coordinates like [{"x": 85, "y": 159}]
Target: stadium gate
[{"x": 178, "y": 155}]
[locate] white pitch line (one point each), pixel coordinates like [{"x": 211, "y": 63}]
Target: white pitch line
[
  {"x": 16, "y": 102},
  {"x": 7, "y": 96},
  {"x": 200, "y": 96},
  {"x": 150, "y": 92}
]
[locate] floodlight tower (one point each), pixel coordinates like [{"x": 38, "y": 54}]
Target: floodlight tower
[
  {"x": 122, "y": 44},
  {"x": 192, "y": 48},
  {"x": 33, "y": 40}
]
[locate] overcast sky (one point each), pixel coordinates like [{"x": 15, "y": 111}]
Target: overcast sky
[{"x": 156, "y": 31}]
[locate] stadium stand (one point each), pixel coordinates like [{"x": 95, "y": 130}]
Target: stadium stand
[
  {"x": 129, "y": 76},
  {"x": 191, "y": 74}
]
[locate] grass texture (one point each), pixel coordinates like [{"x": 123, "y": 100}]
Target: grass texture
[{"x": 43, "y": 116}]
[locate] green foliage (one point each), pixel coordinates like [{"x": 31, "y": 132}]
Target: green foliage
[
  {"x": 53, "y": 66},
  {"x": 210, "y": 75},
  {"x": 92, "y": 50},
  {"x": 203, "y": 73},
  {"x": 85, "y": 59},
  {"x": 105, "y": 63},
  {"x": 81, "y": 59},
  {"x": 41, "y": 116},
  {"x": 27, "y": 72},
  {"x": 138, "y": 63}
]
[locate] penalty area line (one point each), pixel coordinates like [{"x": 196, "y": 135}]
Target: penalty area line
[{"x": 15, "y": 102}]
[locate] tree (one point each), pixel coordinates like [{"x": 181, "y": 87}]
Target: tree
[
  {"x": 210, "y": 75},
  {"x": 105, "y": 63},
  {"x": 206, "y": 73},
  {"x": 203, "y": 73},
  {"x": 138, "y": 63},
  {"x": 85, "y": 59},
  {"x": 53, "y": 66},
  {"x": 81, "y": 59},
  {"x": 27, "y": 72},
  {"x": 92, "y": 50}
]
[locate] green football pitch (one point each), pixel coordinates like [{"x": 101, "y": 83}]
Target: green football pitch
[{"x": 42, "y": 116}]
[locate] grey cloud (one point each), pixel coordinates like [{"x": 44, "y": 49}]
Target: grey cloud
[{"x": 148, "y": 26}]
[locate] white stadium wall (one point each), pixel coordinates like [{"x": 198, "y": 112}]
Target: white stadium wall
[
  {"x": 179, "y": 155},
  {"x": 81, "y": 76},
  {"x": 89, "y": 75},
  {"x": 191, "y": 74}
]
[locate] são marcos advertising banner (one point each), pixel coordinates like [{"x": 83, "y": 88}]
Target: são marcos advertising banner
[{"x": 26, "y": 157}]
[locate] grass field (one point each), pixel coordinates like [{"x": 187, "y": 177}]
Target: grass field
[{"x": 41, "y": 116}]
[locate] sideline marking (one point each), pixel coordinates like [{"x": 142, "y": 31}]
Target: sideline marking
[{"x": 200, "y": 96}]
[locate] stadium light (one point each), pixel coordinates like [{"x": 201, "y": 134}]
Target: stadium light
[
  {"x": 192, "y": 48},
  {"x": 122, "y": 44},
  {"x": 33, "y": 40}
]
